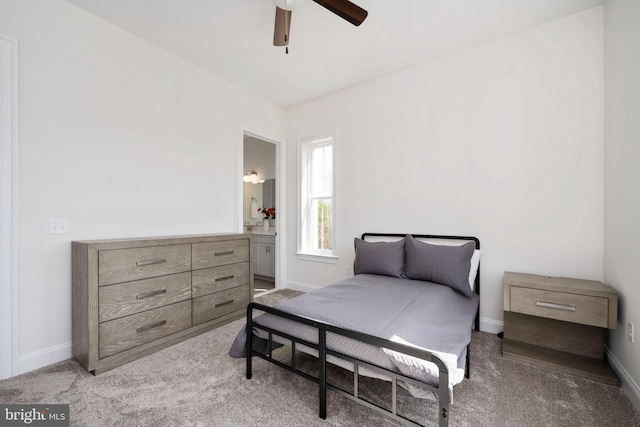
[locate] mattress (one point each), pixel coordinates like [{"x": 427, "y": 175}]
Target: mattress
[{"x": 421, "y": 314}]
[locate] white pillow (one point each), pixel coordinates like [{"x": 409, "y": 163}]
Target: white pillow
[{"x": 473, "y": 271}]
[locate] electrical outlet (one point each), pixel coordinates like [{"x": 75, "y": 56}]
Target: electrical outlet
[
  {"x": 347, "y": 271},
  {"x": 630, "y": 333},
  {"x": 58, "y": 226}
]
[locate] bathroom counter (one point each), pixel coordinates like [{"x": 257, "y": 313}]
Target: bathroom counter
[{"x": 271, "y": 232}]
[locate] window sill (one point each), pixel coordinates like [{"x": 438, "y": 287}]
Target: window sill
[{"x": 328, "y": 259}]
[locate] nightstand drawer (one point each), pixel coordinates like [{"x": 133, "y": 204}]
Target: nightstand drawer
[{"x": 583, "y": 309}]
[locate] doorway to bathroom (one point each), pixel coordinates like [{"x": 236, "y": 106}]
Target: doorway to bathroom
[{"x": 260, "y": 208}]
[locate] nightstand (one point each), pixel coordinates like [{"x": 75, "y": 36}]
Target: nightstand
[{"x": 559, "y": 323}]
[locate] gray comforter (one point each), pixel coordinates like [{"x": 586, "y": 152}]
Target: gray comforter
[{"x": 421, "y": 314}]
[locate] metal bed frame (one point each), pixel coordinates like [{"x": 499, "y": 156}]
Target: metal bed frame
[{"x": 442, "y": 391}]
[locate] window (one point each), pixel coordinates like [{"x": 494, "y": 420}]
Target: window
[{"x": 317, "y": 201}]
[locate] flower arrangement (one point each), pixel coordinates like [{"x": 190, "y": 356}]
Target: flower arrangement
[{"x": 267, "y": 212}]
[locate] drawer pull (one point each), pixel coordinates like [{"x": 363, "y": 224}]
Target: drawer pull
[
  {"x": 556, "y": 306},
  {"x": 224, "y": 278},
  {"x": 224, "y": 303},
  {"x": 151, "y": 262},
  {"x": 153, "y": 325},
  {"x": 223, "y": 253},
  {"x": 151, "y": 294}
]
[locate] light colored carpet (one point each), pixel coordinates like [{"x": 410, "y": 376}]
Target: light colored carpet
[{"x": 195, "y": 383}]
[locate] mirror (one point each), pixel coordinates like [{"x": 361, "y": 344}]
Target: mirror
[
  {"x": 261, "y": 195},
  {"x": 269, "y": 193},
  {"x": 252, "y": 193}
]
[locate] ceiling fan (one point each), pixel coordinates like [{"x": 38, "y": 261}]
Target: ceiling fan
[{"x": 343, "y": 8}]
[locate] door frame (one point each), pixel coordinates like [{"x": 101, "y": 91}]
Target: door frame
[
  {"x": 280, "y": 238},
  {"x": 9, "y": 207}
]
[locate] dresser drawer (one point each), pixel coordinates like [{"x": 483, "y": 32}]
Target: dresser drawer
[
  {"x": 128, "y": 332},
  {"x": 584, "y": 309},
  {"x": 129, "y": 298},
  {"x": 218, "y": 279},
  {"x": 125, "y": 265},
  {"x": 213, "y": 254},
  {"x": 218, "y": 304}
]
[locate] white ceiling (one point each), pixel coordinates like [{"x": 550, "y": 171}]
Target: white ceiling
[{"x": 233, "y": 38}]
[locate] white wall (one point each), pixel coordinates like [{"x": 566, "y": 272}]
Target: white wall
[
  {"x": 622, "y": 174},
  {"x": 503, "y": 142},
  {"x": 122, "y": 139},
  {"x": 260, "y": 155}
]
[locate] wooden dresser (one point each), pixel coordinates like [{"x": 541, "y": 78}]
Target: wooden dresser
[
  {"x": 559, "y": 323},
  {"x": 132, "y": 297}
]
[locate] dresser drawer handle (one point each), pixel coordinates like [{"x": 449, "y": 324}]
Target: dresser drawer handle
[
  {"x": 151, "y": 294},
  {"x": 223, "y": 253},
  {"x": 153, "y": 325},
  {"x": 219, "y": 279},
  {"x": 556, "y": 306},
  {"x": 224, "y": 303},
  {"x": 151, "y": 262}
]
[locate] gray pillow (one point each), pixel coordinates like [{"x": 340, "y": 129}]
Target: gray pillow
[
  {"x": 446, "y": 265},
  {"x": 383, "y": 258}
]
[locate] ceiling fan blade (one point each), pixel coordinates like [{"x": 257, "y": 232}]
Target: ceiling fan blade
[
  {"x": 345, "y": 9},
  {"x": 282, "y": 27}
]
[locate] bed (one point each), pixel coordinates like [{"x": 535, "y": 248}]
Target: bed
[{"x": 405, "y": 316}]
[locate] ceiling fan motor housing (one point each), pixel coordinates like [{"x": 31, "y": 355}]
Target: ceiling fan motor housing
[
  {"x": 343, "y": 8},
  {"x": 290, "y": 4}
]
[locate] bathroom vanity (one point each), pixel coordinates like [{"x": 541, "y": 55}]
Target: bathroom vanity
[{"x": 264, "y": 253}]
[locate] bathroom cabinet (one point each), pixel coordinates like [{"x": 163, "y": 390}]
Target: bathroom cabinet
[{"x": 265, "y": 255}]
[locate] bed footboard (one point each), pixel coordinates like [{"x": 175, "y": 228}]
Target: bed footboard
[{"x": 442, "y": 391}]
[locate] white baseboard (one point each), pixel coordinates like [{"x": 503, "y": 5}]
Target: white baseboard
[
  {"x": 628, "y": 385},
  {"x": 490, "y": 325},
  {"x": 46, "y": 356},
  {"x": 302, "y": 287}
]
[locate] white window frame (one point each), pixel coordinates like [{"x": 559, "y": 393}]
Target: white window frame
[{"x": 304, "y": 234}]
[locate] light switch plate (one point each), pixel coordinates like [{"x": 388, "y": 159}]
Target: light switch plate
[{"x": 58, "y": 226}]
